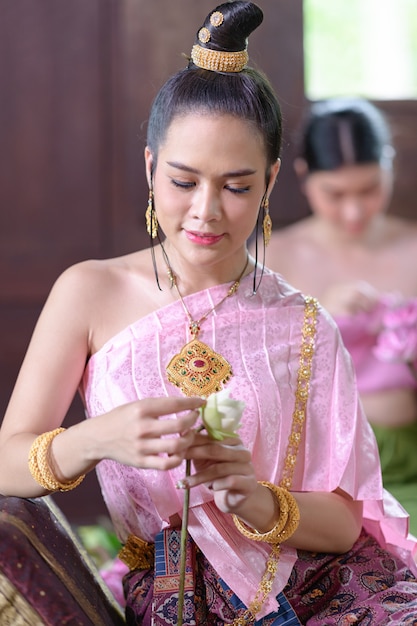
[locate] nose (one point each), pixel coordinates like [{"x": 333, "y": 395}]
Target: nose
[
  {"x": 352, "y": 210},
  {"x": 207, "y": 204}
]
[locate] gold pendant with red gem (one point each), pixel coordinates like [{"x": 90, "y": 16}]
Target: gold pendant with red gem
[{"x": 198, "y": 370}]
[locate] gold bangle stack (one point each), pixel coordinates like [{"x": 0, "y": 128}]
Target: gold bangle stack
[
  {"x": 287, "y": 524},
  {"x": 39, "y": 464}
]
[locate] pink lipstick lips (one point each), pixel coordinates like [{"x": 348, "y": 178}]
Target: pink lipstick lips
[{"x": 203, "y": 239}]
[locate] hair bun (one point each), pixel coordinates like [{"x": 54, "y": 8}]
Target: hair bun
[{"x": 228, "y": 26}]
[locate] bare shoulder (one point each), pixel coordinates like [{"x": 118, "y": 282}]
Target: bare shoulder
[
  {"x": 93, "y": 289},
  {"x": 403, "y": 231},
  {"x": 289, "y": 245},
  {"x": 89, "y": 295},
  {"x": 97, "y": 277},
  {"x": 294, "y": 234}
]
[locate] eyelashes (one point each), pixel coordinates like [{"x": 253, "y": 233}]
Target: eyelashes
[
  {"x": 238, "y": 190},
  {"x": 188, "y": 185},
  {"x": 182, "y": 185}
]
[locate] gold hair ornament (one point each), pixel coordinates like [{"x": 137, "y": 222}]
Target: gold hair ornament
[
  {"x": 40, "y": 464},
  {"x": 150, "y": 216},
  {"x": 216, "y": 19},
  {"x": 218, "y": 60},
  {"x": 267, "y": 223},
  {"x": 204, "y": 35}
]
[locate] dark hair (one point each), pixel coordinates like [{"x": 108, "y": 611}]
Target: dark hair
[
  {"x": 246, "y": 94},
  {"x": 344, "y": 131}
]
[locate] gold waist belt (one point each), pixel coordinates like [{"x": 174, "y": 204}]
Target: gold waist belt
[{"x": 137, "y": 553}]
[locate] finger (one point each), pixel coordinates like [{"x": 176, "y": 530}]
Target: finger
[
  {"x": 159, "y": 462},
  {"x": 159, "y": 453},
  {"x": 232, "y": 442},
  {"x": 217, "y": 452},
  {"x": 364, "y": 304},
  {"x": 220, "y": 476},
  {"x": 367, "y": 290},
  {"x": 176, "y": 426},
  {"x": 165, "y": 445},
  {"x": 157, "y": 407},
  {"x": 202, "y": 439},
  {"x": 149, "y": 427}
]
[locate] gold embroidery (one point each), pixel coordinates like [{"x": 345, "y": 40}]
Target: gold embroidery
[
  {"x": 301, "y": 396},
  {"x": 137, "y": 551}
]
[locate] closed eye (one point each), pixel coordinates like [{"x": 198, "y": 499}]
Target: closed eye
[
  {"x": 182, "y": 185},
  {"x": 238, "y": 189}
]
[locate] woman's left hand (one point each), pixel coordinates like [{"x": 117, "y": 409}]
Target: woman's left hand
[
  {"x": 225, "y": 467},
  {"x": 330, "y": 522}
]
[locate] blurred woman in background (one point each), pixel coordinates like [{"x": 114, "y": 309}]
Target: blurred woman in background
[{"x": 357, "y": 259}]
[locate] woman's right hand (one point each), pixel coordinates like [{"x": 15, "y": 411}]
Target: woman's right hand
[
  {"x": 350, "y": 298},
  {"x": 150, "y": 433}
]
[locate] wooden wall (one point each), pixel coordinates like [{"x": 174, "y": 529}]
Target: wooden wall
[{"x": 402, "y": 116}]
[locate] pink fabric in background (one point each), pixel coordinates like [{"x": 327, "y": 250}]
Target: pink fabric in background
[
  {"x": 360, "y": 335},
  {"x": 113, "y": 577}
]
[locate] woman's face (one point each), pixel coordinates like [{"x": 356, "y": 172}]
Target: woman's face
[
  {"x": 351, "y": 196},
  {"x": 208, "y": 185}
]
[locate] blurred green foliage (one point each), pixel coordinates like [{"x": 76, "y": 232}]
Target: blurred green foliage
[{"x": 360, "y": 47}]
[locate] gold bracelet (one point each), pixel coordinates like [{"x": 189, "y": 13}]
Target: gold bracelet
[
  {"x": 287, "y": 524},
  {"x": 39, "y": 465}
]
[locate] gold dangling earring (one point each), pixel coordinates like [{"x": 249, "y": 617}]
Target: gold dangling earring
[
  {"x": 267, "y": 222},
  {"x": 150, "y": 216}
]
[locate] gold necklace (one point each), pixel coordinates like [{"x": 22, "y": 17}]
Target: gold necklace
[{"x": 198, "y": 370}]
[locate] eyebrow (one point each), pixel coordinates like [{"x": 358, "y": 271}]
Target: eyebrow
[
  {"x": 332, "y": 186},
  {"x": 192, "y": 170}
]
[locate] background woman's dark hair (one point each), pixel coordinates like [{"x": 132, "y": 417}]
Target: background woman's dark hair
[
  {"x": 344, "y": 131},
  {"x": 247, "y": 94}
]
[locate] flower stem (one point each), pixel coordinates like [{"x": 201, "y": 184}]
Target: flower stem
[{"x": 183, "y": 547}]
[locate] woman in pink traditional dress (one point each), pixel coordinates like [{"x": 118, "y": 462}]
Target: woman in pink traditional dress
[
  {"x": 355, "y": 256},
  {"x": 288, "y": 522}
]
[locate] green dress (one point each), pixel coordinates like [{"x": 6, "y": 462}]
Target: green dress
[{"x": 398, "y": 451}]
